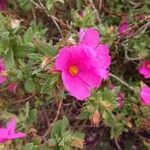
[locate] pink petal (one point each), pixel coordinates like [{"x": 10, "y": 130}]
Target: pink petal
[
  {"x": 2, "y": 5},
  {"x": 89, "y": 37},
  {"x": 62, "y": 58},
  {"x": 144, "y": 70},
  {"x": 123, "y": 27},
  {"x": 90, "y": 78},
  {"x": 104, "y": 60},
  {"x": 120, "y": 99},
  {"x": 3, "y": 140},
  {"x": 103, "y": 56},
  {"x": 2, "y": 67},
  {"x": 145, "y": 95},
  {"x": 2, "y": 79},
  {"x": 17, "y": 135},
  {"x": 12, "y": 87},
  {"x": 3, "y": 133},
  {"x": 11, "y": 126},
  {"x": 76, "y": 86}
]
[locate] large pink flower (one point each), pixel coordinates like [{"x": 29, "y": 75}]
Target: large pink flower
[
  {"x": 84, "y": 66},
  {"x": 8, "y": 133},
  {"x": 2, "y": 71},
  {"x": 145, "y": 69},
  {"x": 145, "y": 95}
]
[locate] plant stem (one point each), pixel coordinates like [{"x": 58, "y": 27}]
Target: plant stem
[
  {"x": 55, "y": 119},
  {"x": 123, "y": 82}
]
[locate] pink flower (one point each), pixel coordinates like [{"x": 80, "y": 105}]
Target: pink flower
[
  {"x": 145, "y": 69},
  {"x": 120, "y": 99},
  {"x": 8, "y": 133},
  {"x": 145, "y": 95},
  {"x": 12, "y": 87},
  {"x": 2, "y": 5},
  {"x": 83, "y": 66},
  {"x": 123, "y": 27},
  {"x": 2, "y": 72},
  {"x": 111, "y": 86}
]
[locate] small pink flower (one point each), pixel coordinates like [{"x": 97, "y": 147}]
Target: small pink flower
[
  {"x": 2, "y": 5},
  {"x": 83, "y": 66},
  {"x": 2, "y": 72},
  {"x": 123, "y": 27},
  {"x": 120, "y": 99},
  {"x": 12, "y": 87},
  {"x": 145, "y": 95},
  {"x": 8, "y": 133},
  {"x": 145, "y": 69},
  {"x": 111, "y": 86}
]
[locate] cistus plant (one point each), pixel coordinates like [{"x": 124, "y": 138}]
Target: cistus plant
[{"x": 74, "y": 75}]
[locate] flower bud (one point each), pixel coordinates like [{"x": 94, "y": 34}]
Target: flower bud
[
  {"x": 71, "y": 41},
  {"x": 78, "y": 143},
  {"x": 46, "y": 60},
  {"x": 96, "y": 118},
  {"x": 15, "y": 23}
]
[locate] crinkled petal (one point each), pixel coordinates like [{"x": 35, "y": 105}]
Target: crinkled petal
[
  {"x": 104, "y": 60},
  {"x": 103, "y": 56},
  {"x": 89, "y": 37},
  {"x": 62, "y": 58},
  {"x": 92, "y": 79},
  {"x": 76, "y": 86}
]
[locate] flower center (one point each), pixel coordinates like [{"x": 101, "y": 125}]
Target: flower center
[
  {"x": 148, "y": 65},
  {"x": 73, "y": 70}
]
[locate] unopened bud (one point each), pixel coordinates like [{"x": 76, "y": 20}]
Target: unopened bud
[
  {"x": 78, "y": 143},
  {"x": 111, "y": 29},
  {"x": 12, "y": 87},
  {"x": 71, "y": 41},
  {"x": 15, "y": 23},
  {"x": 46, "y": 60},
  {"x": 96, "y": 118}
]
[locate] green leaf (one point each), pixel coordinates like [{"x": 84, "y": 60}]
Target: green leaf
[
  {"x": 49, "y": 4},
  {"x": 65, "y": 125},
  {"x": 23, "y": 50},
  {"x": 52, "y": 79},
  {"x": 25, "y": 5},
  {"x": 32, "y": 116},
  {"x": 56, "y": 129},
  {"x": 59, "y": 127},
  {"x": 30, "y": 146},
  {"x": 29, "y": 85},
  {"x": 36, "y": 31},
  {"x": 10, "y": 62},
  {"x": 47, "y": 49}
]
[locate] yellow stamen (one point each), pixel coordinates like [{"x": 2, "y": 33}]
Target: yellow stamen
[{"x": 73, "y": 70}]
